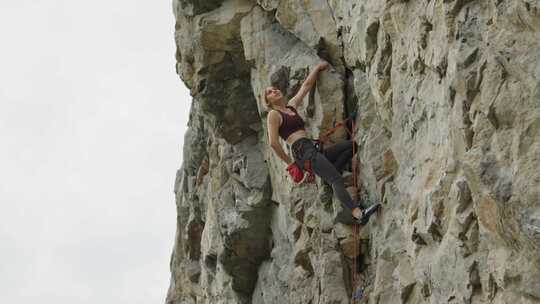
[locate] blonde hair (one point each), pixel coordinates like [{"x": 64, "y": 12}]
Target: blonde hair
[{"x": 265, "y": 101}]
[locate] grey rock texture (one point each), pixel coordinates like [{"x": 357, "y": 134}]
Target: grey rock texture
[{"x": 448, "y": 94}]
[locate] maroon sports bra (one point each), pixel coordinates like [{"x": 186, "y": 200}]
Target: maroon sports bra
[{"x": 290, "y": 123}]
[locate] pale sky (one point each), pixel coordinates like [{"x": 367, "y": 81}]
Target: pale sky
[{"x": 92, "y": 119}]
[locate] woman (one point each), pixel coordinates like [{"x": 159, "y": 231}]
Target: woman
[{"x": 283, "y": 121}]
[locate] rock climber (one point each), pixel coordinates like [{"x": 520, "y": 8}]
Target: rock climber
[{"x": 284, "y": 121}]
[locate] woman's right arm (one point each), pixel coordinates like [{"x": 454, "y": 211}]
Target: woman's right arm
[
  {"x": 273, "y": 136},
  {"x": 307, "y": 84}
]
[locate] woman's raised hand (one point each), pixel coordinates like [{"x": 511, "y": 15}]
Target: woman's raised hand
[
  {"x": 308, "y": 84},
  {"x": 322, "y": 65}
]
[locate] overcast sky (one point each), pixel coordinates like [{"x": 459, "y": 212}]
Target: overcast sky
[{"x": 92, "y": 119}]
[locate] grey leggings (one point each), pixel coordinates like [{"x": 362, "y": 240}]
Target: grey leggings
[{"x": 328, "y": 165}]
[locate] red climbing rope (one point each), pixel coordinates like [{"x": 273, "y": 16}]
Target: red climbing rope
[
  {"x": 324, "y": 138},
  {"x": 356, "y": 227}
]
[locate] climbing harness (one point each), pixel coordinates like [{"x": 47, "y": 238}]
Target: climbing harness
[{"x": 296, "y": 173}]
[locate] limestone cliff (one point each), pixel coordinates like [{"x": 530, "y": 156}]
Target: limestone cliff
[{"x": 448, "y": 96}]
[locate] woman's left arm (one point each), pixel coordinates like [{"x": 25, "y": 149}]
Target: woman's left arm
[{"x": 308, "y": 84}]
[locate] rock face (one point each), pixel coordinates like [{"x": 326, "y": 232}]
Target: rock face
[{"x": 448, "y": 96}]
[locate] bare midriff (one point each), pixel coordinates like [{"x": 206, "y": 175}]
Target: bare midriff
[{"x": 296, "y": 136}]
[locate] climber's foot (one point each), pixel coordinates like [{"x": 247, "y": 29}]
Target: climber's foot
[
  {"x": 366, "y": 213},
  {"x": 358, "y": 293},
  {"x": 356, "y": 213}
]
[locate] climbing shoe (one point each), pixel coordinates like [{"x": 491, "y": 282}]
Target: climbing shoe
[
  {"x": 366, "y": 213},
  {"x": 358, "y": 293}
]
